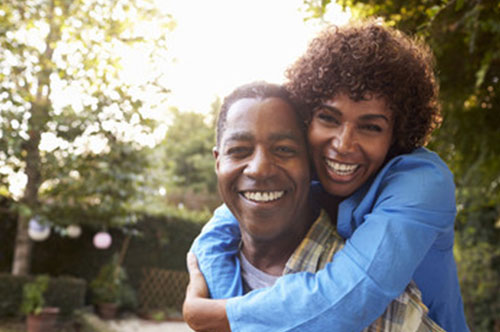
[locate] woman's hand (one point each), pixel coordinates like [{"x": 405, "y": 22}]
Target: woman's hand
[
  {"x": 197, "y": 287},
  {"x": 201, "y": 313}
]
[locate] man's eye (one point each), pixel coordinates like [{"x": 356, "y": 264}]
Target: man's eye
[
  {"x": 238, "y": 151},
  {"x": 286, "y": 150}
]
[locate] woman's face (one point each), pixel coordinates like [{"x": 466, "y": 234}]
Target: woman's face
[{"x": 349, "y": 141}]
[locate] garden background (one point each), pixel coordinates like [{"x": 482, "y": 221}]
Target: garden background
[{"x": 89, "y": 137}]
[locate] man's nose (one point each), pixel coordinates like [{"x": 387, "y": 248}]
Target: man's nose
[
  {"x": 261, "y": 165},
  {"x": 345, "y": 140}
]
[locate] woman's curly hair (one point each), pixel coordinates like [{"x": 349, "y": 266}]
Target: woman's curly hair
[{"x": 366, "y": 58}]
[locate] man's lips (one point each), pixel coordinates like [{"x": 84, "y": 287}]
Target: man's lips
[{"x": 263, "y": 196}]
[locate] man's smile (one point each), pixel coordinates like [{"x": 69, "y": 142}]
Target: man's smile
[{"x": 263, "y": 196}]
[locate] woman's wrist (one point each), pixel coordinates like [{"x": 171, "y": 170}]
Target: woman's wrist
[{"x": 206, "y": 315}]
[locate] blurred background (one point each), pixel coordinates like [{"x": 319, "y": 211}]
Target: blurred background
[{"x": 107, "y": 112}]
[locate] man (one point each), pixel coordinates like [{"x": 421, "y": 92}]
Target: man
[{"x": 263, "y": 177}]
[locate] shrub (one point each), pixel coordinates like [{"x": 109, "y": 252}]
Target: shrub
[
  {"x": 11, "y": 293},
  {"x": 33, "y": 295},
  {"x": 111, "y": 286},
  {"x": 66, "y": 293}
]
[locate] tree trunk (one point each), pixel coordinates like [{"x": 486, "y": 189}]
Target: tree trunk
[
  {"x": 23, "y": 244},
  {"x": 36, "y": 125},
  {"x": 22, "y": 252}
]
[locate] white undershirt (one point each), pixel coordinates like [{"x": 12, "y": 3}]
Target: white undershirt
[{"x": 253, "y": 278}]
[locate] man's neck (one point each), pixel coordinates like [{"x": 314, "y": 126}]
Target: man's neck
[{"x": 271, "y": 255}]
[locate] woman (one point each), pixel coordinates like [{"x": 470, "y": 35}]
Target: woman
[{"x": 372, "y": 101}]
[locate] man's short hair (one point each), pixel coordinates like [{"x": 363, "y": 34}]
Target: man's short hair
[{"x": 259, "y": 90}]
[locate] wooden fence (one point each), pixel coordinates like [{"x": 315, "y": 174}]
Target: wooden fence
[{"x": 161, "y": 289}]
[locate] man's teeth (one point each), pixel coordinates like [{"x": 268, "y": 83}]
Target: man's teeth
[
  {"x": 263, "y": 196},
  {"x": 341, "y": 169}
]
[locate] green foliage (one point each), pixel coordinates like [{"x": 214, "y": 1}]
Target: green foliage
[
  {"x": 110, "y": 285},
  {"x": 188, "y": 148},
  {"x": 480, "y": 280},
  {"x": 33, "y": 295},
  {"x": 66, "y": 293},
  {"x": 75, "y": 50},
  {"x": 11, "y": 293},
  {"x": 72, "y": 120},
  {"x": 188, "y": 176}
]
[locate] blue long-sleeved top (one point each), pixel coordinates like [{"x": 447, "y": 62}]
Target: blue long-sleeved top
[{"x": 398, "y": 227}]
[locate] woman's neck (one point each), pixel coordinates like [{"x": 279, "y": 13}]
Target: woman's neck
[{"x": 330, "y": 204}]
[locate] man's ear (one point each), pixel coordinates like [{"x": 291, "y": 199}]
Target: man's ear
[{"x": 215, "y": 153}]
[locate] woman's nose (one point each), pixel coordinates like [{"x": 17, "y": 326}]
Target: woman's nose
[{"x": 345, "y": 141}]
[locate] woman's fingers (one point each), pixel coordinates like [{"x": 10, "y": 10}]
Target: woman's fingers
[
  {"x": 192, "y": 263},
  {"x": 197, "y": 286}
]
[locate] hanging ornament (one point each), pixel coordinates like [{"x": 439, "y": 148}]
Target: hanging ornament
[
  {"x": 38, "y": 231},
  {"x": 73, "y": 231},
  {"x": 102, "y": 240}
]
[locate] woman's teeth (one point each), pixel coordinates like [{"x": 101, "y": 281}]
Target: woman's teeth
[{"x": 341, "y": 169}]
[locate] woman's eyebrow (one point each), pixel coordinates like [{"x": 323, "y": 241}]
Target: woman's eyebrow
[
  {"x": 330, "y": 108},
  {"x": 366, "y": 117},
  {"x": 375, "y": 116}
]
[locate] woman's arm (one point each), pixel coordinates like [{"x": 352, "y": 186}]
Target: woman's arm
[
  {"x": 200, "y": 313},
  {"x": 389, "y": 234}
]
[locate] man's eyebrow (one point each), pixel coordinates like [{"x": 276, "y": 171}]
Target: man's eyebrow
[
  {"x": 242, "y": 136},
  {"x": 284, "y": 136},
  {"x": 239, "y": 136}
]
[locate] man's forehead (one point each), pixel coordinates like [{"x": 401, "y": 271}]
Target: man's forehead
[
  {"x": 270, "y": 118},
  {"x": 272, "y": 136}
]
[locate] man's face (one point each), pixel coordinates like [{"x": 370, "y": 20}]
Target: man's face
[
  {"x": 262, "y": 167},
  {"x": 349, "y": 141}
]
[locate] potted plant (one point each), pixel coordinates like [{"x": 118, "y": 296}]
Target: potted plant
[
  {"x": 110, "y": 289},
  {"x": 39, "y": 317}
]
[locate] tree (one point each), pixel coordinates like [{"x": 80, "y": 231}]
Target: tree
[
  {"x": 187, "y": 154},
  {"x": 73, "y": 124},
  {"x": 465, "y": 37}
]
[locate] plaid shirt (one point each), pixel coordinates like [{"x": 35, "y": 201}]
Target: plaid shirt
[{"x": 407, "y": 313}]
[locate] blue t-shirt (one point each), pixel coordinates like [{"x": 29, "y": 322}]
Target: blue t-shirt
[{"x": 397, "y": 227}]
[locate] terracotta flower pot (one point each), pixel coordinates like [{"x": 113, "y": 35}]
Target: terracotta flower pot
[
  {"x": 45, "y": 321},
  {"x": 107, "y": 310}
]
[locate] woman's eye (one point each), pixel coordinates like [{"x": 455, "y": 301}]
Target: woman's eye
[
  {"x": 327, "y": 118},
  {"x": 372, "y": 127}
]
